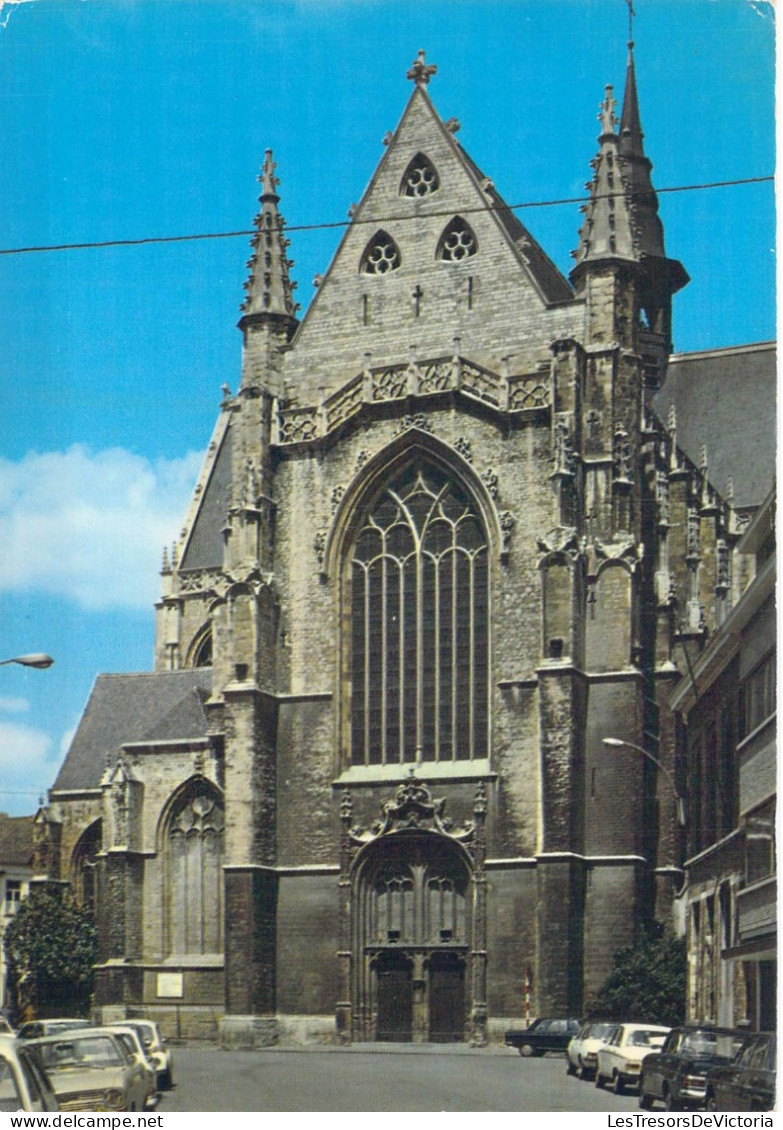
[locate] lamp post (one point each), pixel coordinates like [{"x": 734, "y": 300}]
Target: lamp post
[
  {"x": 35, "y": 659},
  {"x": 617, "y": 743}
]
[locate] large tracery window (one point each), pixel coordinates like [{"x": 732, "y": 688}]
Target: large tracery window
[
  {"x": 457, "y": 242},
  {"x": 194, "y": 850},
  {"x": 419, "y": 625},
  {"x": 418, "y": 904}
]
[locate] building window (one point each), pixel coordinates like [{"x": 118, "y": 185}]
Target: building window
[
  {"x": 84, "y": 865},
  {"x": 381, "y": 255},
  {"x": 194, "y": 861},
  {"x": 458, "y": 242},
  {"x": 419, "y": 625},
  {"x": 760, "y": 843},
  {"x": 758, "y": 695},
  {"x": 13, "y": 895},
  {"x": 419, "y": 904},
  {"x": 203, "y": 653},
  {"x": 420, "y": 177}
]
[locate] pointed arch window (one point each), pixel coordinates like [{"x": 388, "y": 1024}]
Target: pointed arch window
[
  {"x": 458, "y": 241},
  {"x": 194, "y": 866},
  {"x": 420, "y": 178},
  {"x": 419, "y": 625},
  {"x": 381, "y": 255}
]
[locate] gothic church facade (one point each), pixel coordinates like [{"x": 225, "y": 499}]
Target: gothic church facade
[{"x": 441, "y": 547}]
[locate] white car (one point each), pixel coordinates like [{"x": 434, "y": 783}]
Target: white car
[
  {"x": 156, "y": 1049},
  {"x": 90, "y": 1070},
  {"x": 620, "y": 1058},
  {"x": 131, "y": 1040},
  {"x": 24, "y": 1085},
  {"x": 582, "y": 1051}
]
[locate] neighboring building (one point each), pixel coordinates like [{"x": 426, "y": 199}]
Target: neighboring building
[
  {"x": 441, "y": 546},
  {"x": 16, "y": 853},
  {"x": 727, "y": 705}
]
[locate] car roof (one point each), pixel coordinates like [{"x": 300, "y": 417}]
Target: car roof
[{"x": 70, "y": 1033}]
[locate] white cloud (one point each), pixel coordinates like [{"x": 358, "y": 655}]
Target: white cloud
[
  {"x": 25, "y": 771},
  {"x": 91, "y": 526},
  {"x": 11, "y": 705}
]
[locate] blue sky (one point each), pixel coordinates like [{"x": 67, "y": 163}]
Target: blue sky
[{"x": 128, "y": 119}]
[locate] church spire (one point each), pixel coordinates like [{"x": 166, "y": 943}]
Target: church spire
[
  {"x": 269, "y": 287},
  {"x": 621, "y": 221}
]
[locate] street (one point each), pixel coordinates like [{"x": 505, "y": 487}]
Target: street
[{"x": 392, "y": 1078}]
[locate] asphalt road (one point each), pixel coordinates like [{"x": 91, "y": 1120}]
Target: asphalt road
[{"x": 389, "y": 1079}]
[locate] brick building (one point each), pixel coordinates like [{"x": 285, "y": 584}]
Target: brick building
[
  {"x": 16, "y": 858},
  {"x": 441, "y": 546}
]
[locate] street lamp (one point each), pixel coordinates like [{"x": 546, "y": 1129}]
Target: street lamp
[
  {"x": 36, "y": 659},
  {"x": 617, "y": 743}
]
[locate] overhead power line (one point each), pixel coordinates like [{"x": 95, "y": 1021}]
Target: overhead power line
[{"x": 325, "y": 226}]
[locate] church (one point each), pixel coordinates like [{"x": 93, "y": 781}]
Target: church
[{"x": 444, "y": 542}]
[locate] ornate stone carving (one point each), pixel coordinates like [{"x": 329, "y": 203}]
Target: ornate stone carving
[
  {"x": 419, "y": 420},
  {"x": 319, "y": 545},
  {"x": 562, "y": 539},
  {"x": 413, "y": 807},
  {"x": 463, "y": 447},
  {"x": 621, "y": 455},
  {"x": 337, "y": 497},
  {"x": 490, "y": 481},
  {"x": 507, "y": 523}
]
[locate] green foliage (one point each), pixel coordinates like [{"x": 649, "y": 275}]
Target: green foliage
[
  {"x": 647, "y": 983},
  {"x": 51, "y": 947}
]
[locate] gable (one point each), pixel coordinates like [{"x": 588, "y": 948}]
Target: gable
[{"x": 432, "y": 254}]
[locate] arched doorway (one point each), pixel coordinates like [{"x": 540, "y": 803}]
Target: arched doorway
[{"x": 412, "y": 929}]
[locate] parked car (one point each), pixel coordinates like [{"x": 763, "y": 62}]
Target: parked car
[
  {"x": 24, "y": 1085},
  {"x": 157, "y": 1050},
  {"x": 33, "y": 1029},
  {"x": 748, "y": 1082},
  {"x": 543, "y": 1035},
  {"x": 677, "y": 1075},
  {"x": 131, "y": 1040},
  {"x": 582, "y": 1050},
  {"x": 91, "y": 1070},
  {"x": 619, "y": 1060}
]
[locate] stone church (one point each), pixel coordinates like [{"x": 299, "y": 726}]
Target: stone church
[{"x": 442, "y": 545}]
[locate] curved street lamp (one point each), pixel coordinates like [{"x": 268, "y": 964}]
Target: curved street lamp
[
  {"x": 617, "y": 743},
  {"x": 35, "y": 659}
]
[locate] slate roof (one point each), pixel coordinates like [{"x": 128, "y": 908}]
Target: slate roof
[
  {"x": 162, "y": 706},
  {"x": 726, "y": 399},
  {"x": 205, "y": 544},
  {"x": 16, "y": 840}
]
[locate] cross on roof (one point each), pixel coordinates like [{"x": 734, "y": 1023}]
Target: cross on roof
[{"x": 421, "y": 72}]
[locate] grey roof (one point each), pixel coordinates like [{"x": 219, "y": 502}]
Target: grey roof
[
  {"x": 726, "y": 399},
  {"x": 163, "y": 706},
  {"x": 16, "y": 840},
  {"x": 205, "y": 545}
]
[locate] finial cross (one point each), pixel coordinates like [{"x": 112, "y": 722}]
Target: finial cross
[{"x": 421, "y": 71}]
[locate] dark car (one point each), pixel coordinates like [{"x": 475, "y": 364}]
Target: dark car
[
  {"x": 677, "y": 1074},
  {"x": 544, "y": 1035},
  {"x": 748, "y": 1082}
]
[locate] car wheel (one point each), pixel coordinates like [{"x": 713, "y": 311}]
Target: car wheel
[
  {"x": 645, "y": 1100},
  {"x": 617, "y": 1084},
  {"x": 570, "y": 1069},
  {"x": 669, "y": 1101},
  {"x": 600, "y": 1082},
  {"x": 527, "y": 1050},
  {"x": 711, "y": 1103},
  {"x": 165, "y": 1081}
]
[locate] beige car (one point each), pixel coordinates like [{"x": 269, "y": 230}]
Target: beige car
[
  {"x": 90, "y": 1069},
  {"x": 620, "y": 1058},
  {"x": 24, "y": 1085}
]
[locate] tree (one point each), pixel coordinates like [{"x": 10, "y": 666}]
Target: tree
[
  {"x": 51, "y": 947},
  {"x": 647, "y": 983}
]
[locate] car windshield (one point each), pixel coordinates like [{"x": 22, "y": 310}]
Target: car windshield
[
  {"x": 599, "y": 1031},
  {"x": 147, "y": 1035},
  {"x": 92, "y": 1051}
]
